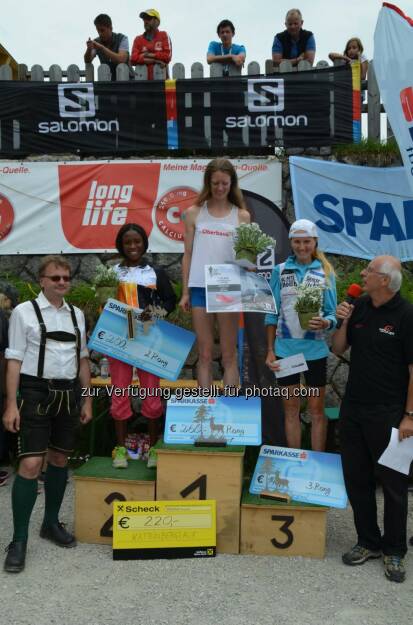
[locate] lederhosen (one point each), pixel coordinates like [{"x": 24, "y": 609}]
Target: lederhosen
[{"x": 49, "y": 408}]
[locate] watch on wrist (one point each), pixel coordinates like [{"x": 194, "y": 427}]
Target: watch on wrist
[{"x": 409, "y": 413}]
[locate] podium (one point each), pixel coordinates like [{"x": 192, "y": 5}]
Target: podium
[
  {"x": 269, "y": 527},
  {"x": 98, "y": 485},
  {"x": 187, "y": 471}
]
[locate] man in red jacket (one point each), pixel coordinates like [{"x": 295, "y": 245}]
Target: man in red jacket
[{"x": 153, "y": 46}]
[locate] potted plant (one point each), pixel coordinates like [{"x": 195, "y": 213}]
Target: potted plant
[
  {"x": 105, "y": 284},
  {"x": 249, "y": 241},
  {"x": 308, "y": 303}
]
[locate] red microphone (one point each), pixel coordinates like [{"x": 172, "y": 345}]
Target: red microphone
[{"x": 353, "y": 292}]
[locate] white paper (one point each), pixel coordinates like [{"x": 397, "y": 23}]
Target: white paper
[
  {"x": 398, "y": 455},
  {"x": 291, "y": 365}
]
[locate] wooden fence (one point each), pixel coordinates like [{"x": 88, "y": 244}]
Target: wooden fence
[{"x": 376, "y": 126}]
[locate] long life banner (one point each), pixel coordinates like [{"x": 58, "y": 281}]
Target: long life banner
[
  {"x": 79, "y": 207},
  {"x": 359, "y": 211},
  {"x": 310, "y": 108}
]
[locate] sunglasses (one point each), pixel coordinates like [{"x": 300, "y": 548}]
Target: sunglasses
[{"x": 58, "y": 278}]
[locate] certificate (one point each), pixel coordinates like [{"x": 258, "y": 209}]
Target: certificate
[
  {"x": 230, "y": 288},
  {"x": 160, "y": 347},
  {"x": 308, "y": 476},
  {"x": 291, "y": 365},
  {"x": 164, "y": 529}
]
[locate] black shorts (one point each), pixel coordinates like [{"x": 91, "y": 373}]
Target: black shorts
[
  {"x": 315, "y": 377},
  {"x": 49, "y": 413}
]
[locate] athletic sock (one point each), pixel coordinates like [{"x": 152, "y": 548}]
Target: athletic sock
[
  {"x": 55, "y": 481},
  {"x": 23, "y": 498}
]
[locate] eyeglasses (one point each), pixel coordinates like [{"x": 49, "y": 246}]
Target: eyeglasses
[
  {"x": 370, "y": 270},
  {"x": 57, "y": 278}
]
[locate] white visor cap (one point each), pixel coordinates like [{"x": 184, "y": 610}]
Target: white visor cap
[{"x": 303, "y": 228}]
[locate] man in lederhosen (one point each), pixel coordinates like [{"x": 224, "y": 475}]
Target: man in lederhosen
[{"x": 47, "y": 365}]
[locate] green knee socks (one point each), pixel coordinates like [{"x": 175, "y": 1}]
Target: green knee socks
[
  {"x": 54, "y": 489},
  {"x": 23, "y": 498}
]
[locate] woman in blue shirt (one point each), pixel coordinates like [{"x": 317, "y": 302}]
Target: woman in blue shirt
[{"x": 285, "y": 337}]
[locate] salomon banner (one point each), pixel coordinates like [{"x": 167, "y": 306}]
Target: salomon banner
[
  {"x": 310, "y": 108},
  {"x": 393, "y": 65},
  {"x": 79, "y": 207},
  {"x": 356, "y": 209}
]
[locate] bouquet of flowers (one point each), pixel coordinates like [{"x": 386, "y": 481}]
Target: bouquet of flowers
[
  {"x": 308, "y": 303},
  {"x": 105, "y": 283},
  {"x": 249, "y": 241}
]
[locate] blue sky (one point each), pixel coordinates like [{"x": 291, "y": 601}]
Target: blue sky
[{"x": 47, "y": 32}]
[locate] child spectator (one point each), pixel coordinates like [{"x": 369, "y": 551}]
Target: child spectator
[
  {"x": 225, "y": 51},
  {"x": 294, "y": 44},
  {"x": 353, "y": 52},
  {"x": 153, "y": 47}
]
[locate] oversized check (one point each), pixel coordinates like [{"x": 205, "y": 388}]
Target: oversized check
[
  {"x": 160, "y": 348},
  {"x": 309, "y": 476},
  {"x": 230, "y": 288},
  {"x": 164, "y": 529},
  {"x": 229, "y": 420}
]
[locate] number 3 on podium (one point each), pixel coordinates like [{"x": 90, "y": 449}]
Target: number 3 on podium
[{"x": 287, "y": 521}]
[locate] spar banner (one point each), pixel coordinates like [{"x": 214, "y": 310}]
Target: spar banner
[
  {"x": 79, "y": 207},
  {"x": 359, "y": 211},
  {"x": 302, "y": 108},
  {"x": 393, "y": 64}
]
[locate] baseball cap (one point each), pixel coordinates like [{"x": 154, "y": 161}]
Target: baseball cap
[
  {"x": 303, "y": 228},
  {"x": 150, "y": 13}
]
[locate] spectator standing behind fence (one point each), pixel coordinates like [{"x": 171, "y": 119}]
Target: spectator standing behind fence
[
  {"x": 153, "y": 47},
  {"x": 225, "y": 51},
  {"x": 209, "y": 228},
  {"x": 294, "y": 44},
  {"x": 309, "y": 266},
  {"x": 353, "y": 52},
  {"x": 110, "y": 48}
]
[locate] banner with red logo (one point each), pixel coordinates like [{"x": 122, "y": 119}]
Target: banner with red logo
[
  {"x": 79, "y": 207},
  {"x": 393, "y": 64}
]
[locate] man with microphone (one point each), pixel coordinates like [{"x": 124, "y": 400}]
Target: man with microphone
[{"x": 379, "y": 396}]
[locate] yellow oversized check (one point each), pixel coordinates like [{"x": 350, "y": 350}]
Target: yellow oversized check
[{"x": 164, "y": 529}]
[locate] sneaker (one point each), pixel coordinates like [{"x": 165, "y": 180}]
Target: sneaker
[
  {"x": 359, "y": 555},
  {"x": 394, "y": 568},
  {"x": 152, "y": 458},
  {"x": 120, "y": 459}
]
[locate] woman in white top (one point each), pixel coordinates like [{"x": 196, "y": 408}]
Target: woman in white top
[{"x": 209, "y": 228}]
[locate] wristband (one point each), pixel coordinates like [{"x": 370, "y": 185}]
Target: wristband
[{"x": 409, "y": 413}]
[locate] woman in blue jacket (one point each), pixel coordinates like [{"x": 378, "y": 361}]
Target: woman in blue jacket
[{"x": 285, "y": 337}]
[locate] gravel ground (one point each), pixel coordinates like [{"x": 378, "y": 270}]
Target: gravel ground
[{"x": 83, "y": 586}]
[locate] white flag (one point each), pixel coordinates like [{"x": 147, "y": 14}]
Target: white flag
[{"x": 393, "y": 64}]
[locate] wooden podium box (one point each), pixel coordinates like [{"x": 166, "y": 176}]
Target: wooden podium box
[
  {"x": 98, "y": 485},
  {"x": 186, "y": 471},
  {"x": 270, "y": 527}
]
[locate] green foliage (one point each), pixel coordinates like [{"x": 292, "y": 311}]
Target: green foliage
[
  {"x": 27, "y": 290},
  {"x": 369, "y": 152},
  {"x": 83, "y": 296}
]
